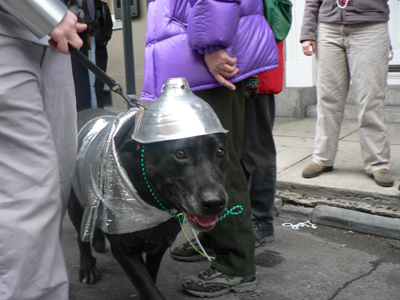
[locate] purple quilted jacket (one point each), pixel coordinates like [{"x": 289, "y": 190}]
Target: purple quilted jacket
[{"x": 179, "y": 32}]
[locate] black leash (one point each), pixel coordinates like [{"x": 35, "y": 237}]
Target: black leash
[{"x": 111, "y": 83}]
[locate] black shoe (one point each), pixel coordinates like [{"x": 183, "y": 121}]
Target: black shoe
[{"x": 263, "y": 231}]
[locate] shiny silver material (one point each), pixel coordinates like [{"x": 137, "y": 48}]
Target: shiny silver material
[
  {"x": 177, "y": 114},
  {"x": 102, "y": 185},
  {"x": 39, "y": 16}
]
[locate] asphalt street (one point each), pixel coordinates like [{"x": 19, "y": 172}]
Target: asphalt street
[
  {"x": 354, "y": 253},
  {"x": 324, "y": 263}
]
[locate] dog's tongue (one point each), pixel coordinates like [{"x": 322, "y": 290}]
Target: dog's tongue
[{"x": 204, "y": 222}]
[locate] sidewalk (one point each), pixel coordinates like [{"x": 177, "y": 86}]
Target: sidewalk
[{"x": 360, "y": 202}]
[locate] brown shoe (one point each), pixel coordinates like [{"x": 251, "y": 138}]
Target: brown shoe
[
  {"x": 383, "y": 178},
  {"x": 314, "y": 170}
]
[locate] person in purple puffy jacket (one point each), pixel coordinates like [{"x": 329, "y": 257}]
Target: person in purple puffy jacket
[{"x": 216, "y": 45}]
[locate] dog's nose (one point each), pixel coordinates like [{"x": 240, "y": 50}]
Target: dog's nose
[{"x": 212, "y": 203}]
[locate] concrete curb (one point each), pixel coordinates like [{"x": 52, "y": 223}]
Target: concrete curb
[{"x": 343, "y": 218}]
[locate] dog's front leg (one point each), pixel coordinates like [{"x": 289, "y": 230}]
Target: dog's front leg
[
  {"x": 153, "y": 262},
  {"x": 135, "y": 268},
  {"x": 87, "y": 270}
]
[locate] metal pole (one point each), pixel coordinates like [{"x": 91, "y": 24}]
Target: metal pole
[{"x": 128, "y": 47}]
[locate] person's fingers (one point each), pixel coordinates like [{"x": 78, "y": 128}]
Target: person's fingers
[
  {"x": 75, "y": 41},
  {"x": 314, "y": 47},
  {"x": 308, "y": 47},
  {"x": 229, "y": 74},
  {"x": 224, "y": 82},
  {"x": 66, "y": 32},
  {"x": 229, "y": 60},
  {"x": 227, "y": 68},
  {"x": 53, "y": 45},
  {"x": 81, "y": 27},
  {"x": 62, "y": 46}
]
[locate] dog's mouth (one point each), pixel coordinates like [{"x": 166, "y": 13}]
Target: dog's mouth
[{"x": 201, "y": 223}]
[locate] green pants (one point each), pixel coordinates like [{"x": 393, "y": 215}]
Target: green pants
[{"x": 231, "y": 241}]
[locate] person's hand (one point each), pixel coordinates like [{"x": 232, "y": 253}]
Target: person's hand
[
  {"x": 66, "y": 32},
  {"x": 309, "y": 47},
  {"x": 222, "y": 66}
]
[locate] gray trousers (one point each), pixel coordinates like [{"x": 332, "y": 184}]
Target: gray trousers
[
  {"x": 37, "y": 159},
  {"x": 358, "y": 52}
]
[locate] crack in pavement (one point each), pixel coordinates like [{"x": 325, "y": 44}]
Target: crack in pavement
[{"x": 376, "y": 264}]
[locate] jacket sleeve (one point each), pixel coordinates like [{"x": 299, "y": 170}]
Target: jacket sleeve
[
  {"x": 310, "y": 20},
  {"x": 40, "y": 17},
  {"x": 212, "y": 24}
]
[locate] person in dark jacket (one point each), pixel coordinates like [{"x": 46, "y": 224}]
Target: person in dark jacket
[
  {"x": 351, "y": 41},
  {"x": 216, "y": 45},
  {"x": 89, "y": 88},
  {"x": 102, "y": 32}
]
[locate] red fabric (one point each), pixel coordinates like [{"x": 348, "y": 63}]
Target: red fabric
[{"x": 271, "y": 82}]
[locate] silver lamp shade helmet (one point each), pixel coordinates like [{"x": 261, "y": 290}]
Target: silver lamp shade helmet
[{"x": 177, "y": 114}]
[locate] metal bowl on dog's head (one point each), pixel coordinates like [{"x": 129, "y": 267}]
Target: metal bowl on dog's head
[{"x": 177, "y": 114}]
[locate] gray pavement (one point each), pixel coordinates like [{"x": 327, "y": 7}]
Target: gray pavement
[
  {"x": 324, "y": 263},
  {"x": 294, "y": 142},
  {"x": 362, "y": 204},
  {"x": 354, "y": 253}
]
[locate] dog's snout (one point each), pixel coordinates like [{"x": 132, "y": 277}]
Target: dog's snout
[{"x": 212, "y": 203}]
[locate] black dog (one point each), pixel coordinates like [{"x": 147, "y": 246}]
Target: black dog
[{"x": 186, "y": 174}]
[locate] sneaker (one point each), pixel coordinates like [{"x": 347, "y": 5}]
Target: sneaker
[
  {"x": 263, "y": 231},
  {"x": 212, "y": 283},
  {"x": 383, "y": 177},
  {"x": 313, "y": 170},
  {"x": 186, "y": 252}
]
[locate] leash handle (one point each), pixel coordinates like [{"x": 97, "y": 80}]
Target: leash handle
[{"x": 111, "y": 83}]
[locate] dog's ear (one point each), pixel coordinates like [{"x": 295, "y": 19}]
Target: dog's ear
[
  {"x": 129, "y": 145},
  {"x": 125, "y": 145}
]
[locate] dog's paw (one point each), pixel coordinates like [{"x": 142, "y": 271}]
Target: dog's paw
[
  {"x": 88, "y": 272},
  {"x": 89, "y": 276}
]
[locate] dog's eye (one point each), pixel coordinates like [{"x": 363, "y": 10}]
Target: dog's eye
[
  {"x": 220, "y": 152},
  {"x": 180, "y": 154}
]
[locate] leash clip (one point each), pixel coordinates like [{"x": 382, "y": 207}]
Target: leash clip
[{"x": 133, "y": 100}]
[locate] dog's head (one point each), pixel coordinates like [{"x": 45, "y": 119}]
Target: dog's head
[
  {"x": 180, "y": 147},
  {"x": 186, "y": 174}
]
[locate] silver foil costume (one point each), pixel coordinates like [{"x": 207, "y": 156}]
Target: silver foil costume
[
  {"x": 102, "y": 185},
  {"x": 40, "y": 17}
]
